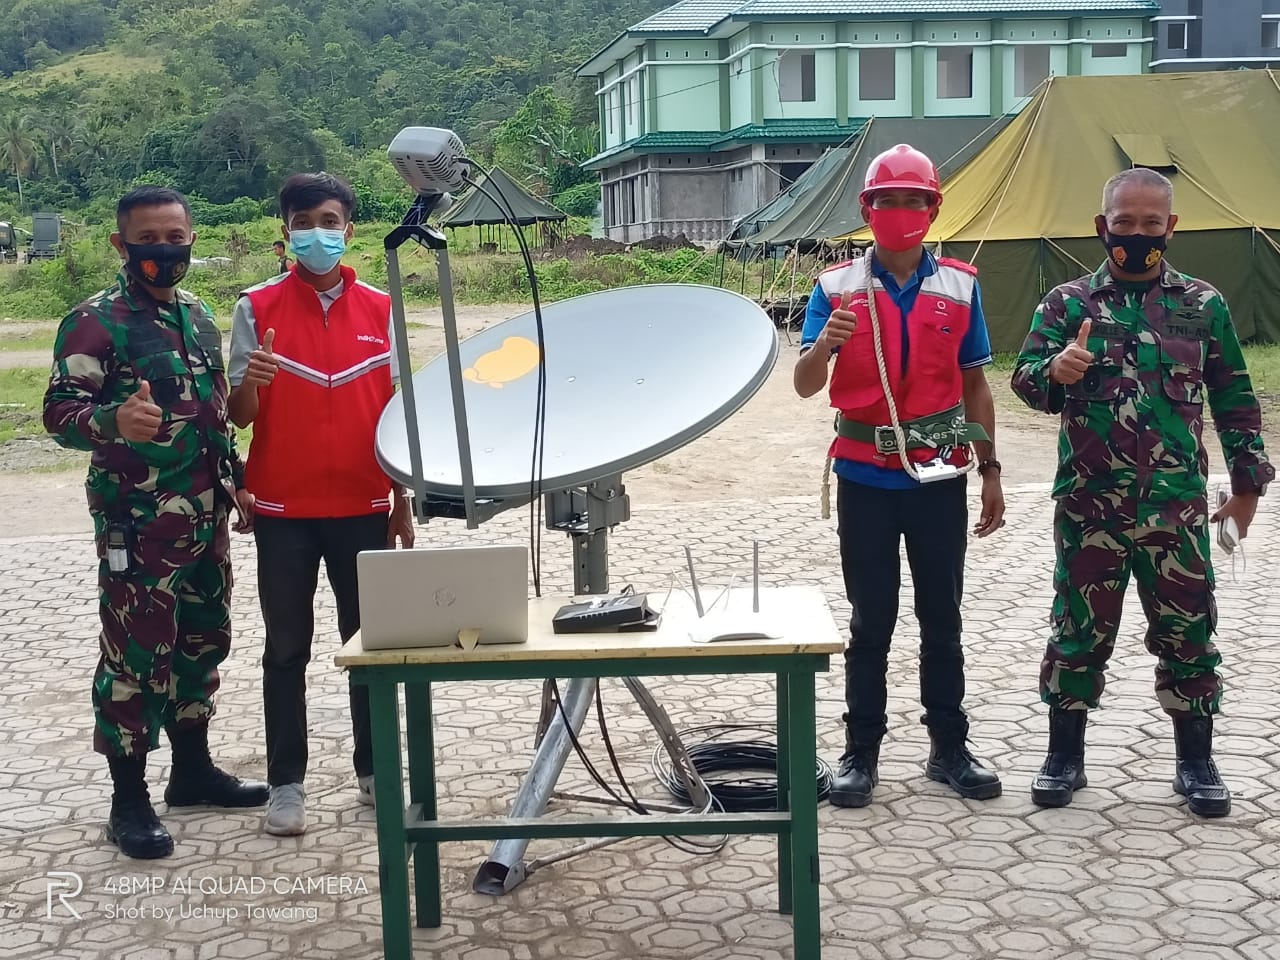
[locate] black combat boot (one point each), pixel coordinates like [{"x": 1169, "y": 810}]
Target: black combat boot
[
  {"x": 856, "y": 775},
  {"x": 194, "y": 780},
  {"x": 133, "y": 825},
  {"x": 1195, "y": 773},
  {"x": 1063, "y": 771},
  {"x": 950, "y": 762}
]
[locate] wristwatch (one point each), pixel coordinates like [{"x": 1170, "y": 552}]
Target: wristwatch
[{"x": 991, "y": 463}]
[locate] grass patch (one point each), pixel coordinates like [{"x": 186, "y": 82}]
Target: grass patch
[
  {"x": 22, "y": 402},
  {"x": 35, "y": 340}
]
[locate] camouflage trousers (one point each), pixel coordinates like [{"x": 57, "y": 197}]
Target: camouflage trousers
[
  {"x": 166, "y": 626},
  {"x": 1170, "y": 561}
]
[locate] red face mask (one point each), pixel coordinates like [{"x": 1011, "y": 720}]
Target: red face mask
[{"x": 899, "y": 228}]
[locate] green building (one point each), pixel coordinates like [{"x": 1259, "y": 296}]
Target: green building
[{"x": 709, "y": 108}]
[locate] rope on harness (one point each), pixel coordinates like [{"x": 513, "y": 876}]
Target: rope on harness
[{"x": 907, "y": 463}]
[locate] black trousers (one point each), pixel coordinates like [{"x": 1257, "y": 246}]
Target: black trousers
[
  {"x": 289, "y": 555},
  {"x": 933, "y": 519}
]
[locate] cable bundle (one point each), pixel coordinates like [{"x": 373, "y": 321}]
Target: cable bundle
[{"x": 756, "y": 762}]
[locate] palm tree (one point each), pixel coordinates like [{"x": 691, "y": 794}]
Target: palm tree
[
  {"x": 60, "y": 133},
  {"x": 18, "y": 148}
]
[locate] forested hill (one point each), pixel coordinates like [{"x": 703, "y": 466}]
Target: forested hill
[{"x": 221, "y": 98}]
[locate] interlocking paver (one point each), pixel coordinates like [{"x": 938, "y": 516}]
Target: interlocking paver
[{"x": 1124, "y": 872}]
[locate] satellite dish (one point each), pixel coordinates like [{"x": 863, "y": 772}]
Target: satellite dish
[{"x": 632, "y": 375}]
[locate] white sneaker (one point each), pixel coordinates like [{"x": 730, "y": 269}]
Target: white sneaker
[
  {"x": 364, "y": 788},
  {"x": 287, "y": 810}
]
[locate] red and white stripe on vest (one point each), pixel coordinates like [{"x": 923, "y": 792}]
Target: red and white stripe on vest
[
  {"x": 312, "y": 448},
  {"x": 936, "y": 327}
]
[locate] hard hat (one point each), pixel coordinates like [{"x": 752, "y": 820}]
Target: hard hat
[{"x": 901, "y": 168}]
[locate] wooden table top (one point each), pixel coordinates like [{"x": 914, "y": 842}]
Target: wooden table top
[{"x": 799, "y": 614}]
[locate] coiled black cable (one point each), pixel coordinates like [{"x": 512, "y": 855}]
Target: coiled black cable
[{"x": 755, "y": 788}]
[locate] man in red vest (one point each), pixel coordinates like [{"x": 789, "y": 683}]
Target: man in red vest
[
  {"x": 907, "y": 336},
  {"x": 312, "y": 366}
]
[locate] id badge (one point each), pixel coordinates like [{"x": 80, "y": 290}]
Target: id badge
[{"x": 119, "y": 547}]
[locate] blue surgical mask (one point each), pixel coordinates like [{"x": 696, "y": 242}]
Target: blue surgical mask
[{"x": 318, "y": 249}]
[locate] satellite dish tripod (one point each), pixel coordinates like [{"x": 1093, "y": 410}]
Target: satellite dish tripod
[{"x": 586, "y": 513}]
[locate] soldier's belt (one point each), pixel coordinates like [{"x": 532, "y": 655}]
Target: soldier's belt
[{"x": 946, "y": 429}]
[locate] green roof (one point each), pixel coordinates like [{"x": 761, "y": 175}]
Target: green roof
[
  {"x": 701, "y": 16},
  {"x": 697, "y": 141}
]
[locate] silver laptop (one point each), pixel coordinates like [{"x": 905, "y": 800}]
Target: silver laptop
[{"x": 426, "y": 597}]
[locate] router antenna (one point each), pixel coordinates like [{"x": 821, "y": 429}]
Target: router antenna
[
  {"x": 755, "y": 576},
  {"x": 693, "y": 579}
]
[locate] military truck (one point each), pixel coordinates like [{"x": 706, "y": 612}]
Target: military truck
[
  {"x": 8, "y": 243},
  {"x": 46, "y": 237}
]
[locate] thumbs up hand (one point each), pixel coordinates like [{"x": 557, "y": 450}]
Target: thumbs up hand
[
  {"x": 1070, "y": 365},
  {"x": 138, "y": 419},
  {"x": 262, "y": 363}
]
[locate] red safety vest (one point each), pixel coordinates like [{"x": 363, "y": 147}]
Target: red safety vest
[
  {"x": 936, "y": 327},
  {"x": 313, "y": 439}
]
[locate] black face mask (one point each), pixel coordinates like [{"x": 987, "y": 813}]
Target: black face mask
[
  {"x": 1135, "y": 253},
  {"x": 159, "y": 265}
]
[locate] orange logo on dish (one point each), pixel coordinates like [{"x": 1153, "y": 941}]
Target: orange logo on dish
[{"x": 516, "y": 358}]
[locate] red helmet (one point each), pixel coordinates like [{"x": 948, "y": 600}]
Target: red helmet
[{"x": 901, "y": 168}]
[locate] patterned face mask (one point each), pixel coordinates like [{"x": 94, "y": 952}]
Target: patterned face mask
[
  {"x": 1135, "y": 253},
  {"x": 160, "y": 265}
]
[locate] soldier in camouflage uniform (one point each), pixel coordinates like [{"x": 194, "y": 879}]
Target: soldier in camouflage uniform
[
  {"x": 1128, "y": 357},
  {"x": 138, "y": 380}
]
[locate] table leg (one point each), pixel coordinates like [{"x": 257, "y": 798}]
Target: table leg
[
  {"x": 388, "y": 786},
  {"x": 806, "y": 920},
  {"x": 422, "y": 789},
  {"x": 784, "y": 791}
]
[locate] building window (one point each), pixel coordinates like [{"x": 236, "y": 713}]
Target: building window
[
  {"x": 629, "y": 97},
  {"x": 955, "y": 73},
  {"x": 1271, "y": 34},
  {"x": 608, "y": 108},
  {"x": 1030, "y": 67},
  {"x": 1177, "y": 39},
  {"x": 877, "y": 74},
  {"x": 797, "y": 78},
  {"x": 1108, "y": 51}
]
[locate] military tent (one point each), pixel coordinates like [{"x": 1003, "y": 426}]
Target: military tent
[
  {"x": 1022, "y": 210},
  {"x": 823, "y": 201},
  {"x": 478, "y": 209}
]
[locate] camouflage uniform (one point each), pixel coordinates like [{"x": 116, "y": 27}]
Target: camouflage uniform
[
  {"x": 166, "y": 622},
  {"x": 1131, "y": 475}
]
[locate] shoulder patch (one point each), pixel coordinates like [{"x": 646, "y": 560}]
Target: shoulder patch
[{"x": 955, "y": 264}]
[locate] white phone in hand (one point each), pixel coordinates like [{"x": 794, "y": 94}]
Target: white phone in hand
[{"x": 1228, "y": 531}]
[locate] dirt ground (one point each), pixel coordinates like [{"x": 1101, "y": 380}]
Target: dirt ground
[{"x": 773, "y": 447}]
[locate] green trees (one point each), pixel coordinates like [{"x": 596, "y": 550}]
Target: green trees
[{"x": 224, "y": 100}]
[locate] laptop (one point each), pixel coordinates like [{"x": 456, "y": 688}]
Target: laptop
[{"x": 428, "y": 597}]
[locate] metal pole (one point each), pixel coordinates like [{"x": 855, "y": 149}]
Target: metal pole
[
  {"x": 407, "y": 396},
  {"x": 455, "y": 388},
  {"x": 505, "y": 869}
]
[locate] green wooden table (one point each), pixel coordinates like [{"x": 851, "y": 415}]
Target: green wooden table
[{"x": 414, "y": 832}]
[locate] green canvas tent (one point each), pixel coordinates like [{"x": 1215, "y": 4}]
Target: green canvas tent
[
  {"x": 823, "y": 201},
  {"x": 476, "y": 209},
  {"x": 1022, "y": 210}
]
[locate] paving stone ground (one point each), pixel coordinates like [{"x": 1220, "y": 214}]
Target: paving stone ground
[{"x": 1125, "y": 872}]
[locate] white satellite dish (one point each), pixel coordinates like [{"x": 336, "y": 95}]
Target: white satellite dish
[{"x": 631, "y": 375}]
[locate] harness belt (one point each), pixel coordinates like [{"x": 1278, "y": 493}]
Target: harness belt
[{"x": 946, "y": 429}]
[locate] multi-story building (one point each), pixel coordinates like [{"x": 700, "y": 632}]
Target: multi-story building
[
  {"x": 709, "y": 107},
  {"x": 1216, "y": 35}
]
